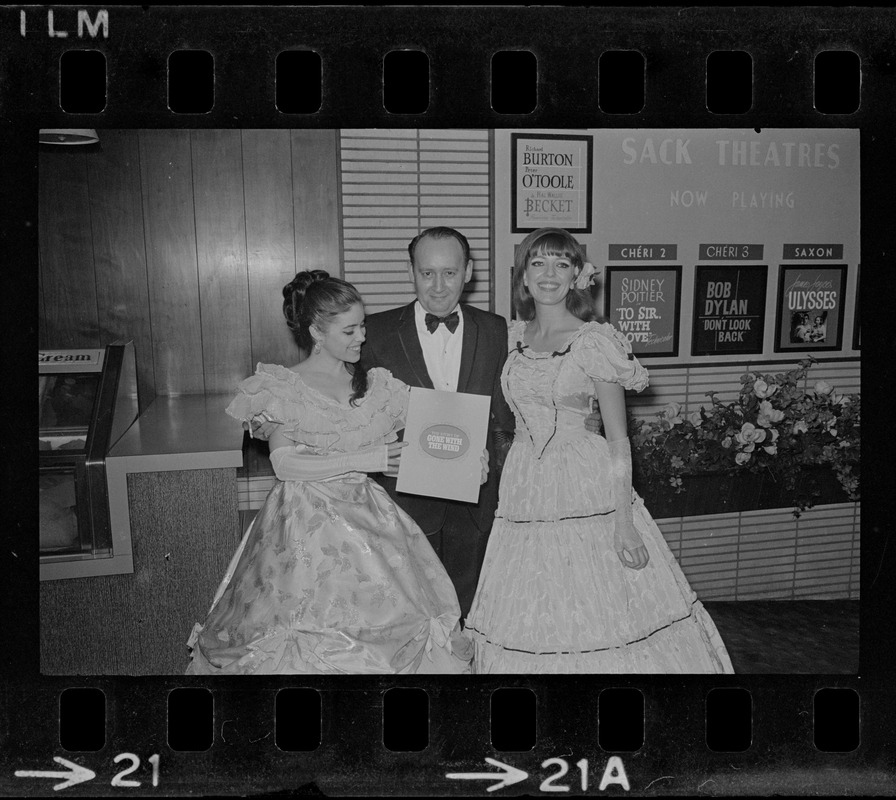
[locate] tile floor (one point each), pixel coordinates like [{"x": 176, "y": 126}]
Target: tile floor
[{"x": 789, "y": 636}]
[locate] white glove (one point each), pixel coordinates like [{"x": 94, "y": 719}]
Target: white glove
[
  {"x": 626, "y": 540},
  {"x": 290, "y": 465}
]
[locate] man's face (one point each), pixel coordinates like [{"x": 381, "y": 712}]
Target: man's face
[{"x": 439, "y": 274}]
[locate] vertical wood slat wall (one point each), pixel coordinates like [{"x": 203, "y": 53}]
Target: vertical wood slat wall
[
  {"x": 396, "y": 183},
  {"x": 182, "y": 240}
]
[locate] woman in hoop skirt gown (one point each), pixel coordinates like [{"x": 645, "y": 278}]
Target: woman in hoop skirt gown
[
  {"x": 331, "y": 577},
  {"x": 577, "y": 577}
]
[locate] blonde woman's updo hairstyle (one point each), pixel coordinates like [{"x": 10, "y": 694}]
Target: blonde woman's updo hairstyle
[
  {"x": 550, "y": 242},
  {"x": 314, "y": 298}
]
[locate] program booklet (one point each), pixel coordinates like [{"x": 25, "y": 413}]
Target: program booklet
[{"x": 446, "y": 433}]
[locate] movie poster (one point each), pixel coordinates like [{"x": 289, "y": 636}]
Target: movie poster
[
  {"x": 551, "y": 182},
  {"x": 729, "y": 309},
  {"x": 810, "y": 308},
  {"x": 643, "y": 304}
]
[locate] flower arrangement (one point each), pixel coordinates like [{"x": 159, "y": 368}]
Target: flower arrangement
[{"x": 776, "y": 427}]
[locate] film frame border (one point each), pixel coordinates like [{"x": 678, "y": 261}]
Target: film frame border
[{"x": 460, "y": 98}]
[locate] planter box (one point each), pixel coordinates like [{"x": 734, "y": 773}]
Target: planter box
[{"x": 731, "y": 492}]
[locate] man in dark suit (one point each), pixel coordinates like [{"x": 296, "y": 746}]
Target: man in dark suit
[{"x": 437, "y": 342}]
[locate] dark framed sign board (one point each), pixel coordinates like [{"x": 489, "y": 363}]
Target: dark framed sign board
[
  {"x": 810, "y": 308},
  {"x": 729, "y": 309},
  {"x": 644, "y": 304},
  {"x": 551, "y": 182}
]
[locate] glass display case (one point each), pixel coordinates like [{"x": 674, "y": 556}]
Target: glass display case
[{"x": 87, "y": 400}]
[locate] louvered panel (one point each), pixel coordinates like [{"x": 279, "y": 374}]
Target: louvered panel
[
  {"x": 436, "y": 170},
  {"x": 671, "y": 530},
  {"x": 823, "y": 591},
  {"x": 472, "y": 212},
  {"x": 434, "y": 134},
  {"x": 365, "y": 192},
  {"x": 397, "y": 206},
  {"x": 360, "y": 203},
  {"x": 845, "y": 377},
  {"x": 403, "y": 169},
  {"x": 723, "y": 380},
  {"x": 720, "y": 592},
  {"x": 471, "y": 225},
  {"x": 398, "y": 151},
  {"x": 386, "y": 134},
  {"x": 390, "y": 257},
  {"x": 441, "y": 159},
  {"x": 709, "y": 563},
  {"x": 770, "y": 555},
  {"x": 394, "y": 234},
  {"x": 720, "y": 584},
  {"x": 441, "y": 188},
  {"x": 462, "y": 197},
  {"x": 722, "y": 571},
  {"x": 783, "y": 592},
  {"x": 832, "y": 573},
  {"x": 398, "y": 182},
  {"x": 751, "y": 583},
  {"x": 381, "y": 227}
]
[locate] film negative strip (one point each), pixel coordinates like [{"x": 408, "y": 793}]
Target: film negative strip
[{"x": 715, "y": 162}]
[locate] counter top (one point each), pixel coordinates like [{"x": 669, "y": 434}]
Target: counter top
[
  {"x": 174, "y": 433},
  {"x": 184, "y": 432}
]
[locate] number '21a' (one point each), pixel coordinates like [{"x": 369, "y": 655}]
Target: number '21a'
[{"x": 613, "y": 773}]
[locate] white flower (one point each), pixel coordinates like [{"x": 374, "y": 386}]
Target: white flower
[
  {"x": 823, "y": 387},
  {"x": 762, "y": 389},
  {"x": 742, "y": 458},
  {"x": 800, "y": 426},
  {"x": 749, "y": 436},
  {"x": 726, "y": 442},
  {"x": 695, "y": 419},
  {"x": 771, "y": 449},
  {"x": 672, "y": 413},
  {"x": 586, "y": 276},
  {"x": 768, "y": 415}
]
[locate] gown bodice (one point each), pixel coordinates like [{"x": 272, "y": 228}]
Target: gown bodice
[
  {"x": 316, "y": 423},
  {"x": 550, "y": 393}
]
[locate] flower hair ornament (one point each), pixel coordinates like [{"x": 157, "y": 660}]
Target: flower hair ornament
[{"x": 586, "y": 276}]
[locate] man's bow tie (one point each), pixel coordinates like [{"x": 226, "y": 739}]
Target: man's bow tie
[{"x": 450, "y": 322}]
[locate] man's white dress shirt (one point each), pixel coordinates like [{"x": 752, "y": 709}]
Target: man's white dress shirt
[{"x": 441, "y": 349}]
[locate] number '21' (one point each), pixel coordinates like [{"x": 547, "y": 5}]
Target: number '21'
[{"x": 119, "y": 779}]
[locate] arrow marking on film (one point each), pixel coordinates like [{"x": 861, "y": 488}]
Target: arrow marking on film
[
  {"x": 511, "y": 775},
  {"x": 76, "y": 774}
]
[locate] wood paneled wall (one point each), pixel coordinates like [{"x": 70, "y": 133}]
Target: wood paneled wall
[{"x": 182, "y": 240}]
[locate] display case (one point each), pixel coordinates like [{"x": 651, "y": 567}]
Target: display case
[{"x": 87, "y": 400}]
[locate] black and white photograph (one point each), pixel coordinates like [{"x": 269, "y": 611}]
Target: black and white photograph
[
  {"x": 280, "y": 291},
  {"x": 447, "y": 400}
]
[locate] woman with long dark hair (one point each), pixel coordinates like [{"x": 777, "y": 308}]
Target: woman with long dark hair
[
  {"x": 332, "y": 576},
  {"x": 577, "y": 577}
]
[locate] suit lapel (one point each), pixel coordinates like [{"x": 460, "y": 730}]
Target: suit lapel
[
  {"x": 410, "y": 342},
  {"x": 468, "y": 350}
]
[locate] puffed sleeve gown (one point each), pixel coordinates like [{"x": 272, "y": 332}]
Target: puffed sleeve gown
[
  {"x": 331, "y": 577},
  {"x": 553, "y": 595}
]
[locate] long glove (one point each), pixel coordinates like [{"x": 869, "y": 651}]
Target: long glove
[
  {"x": 290, "y": 465},
  {"x": 625, "y": 537}
]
